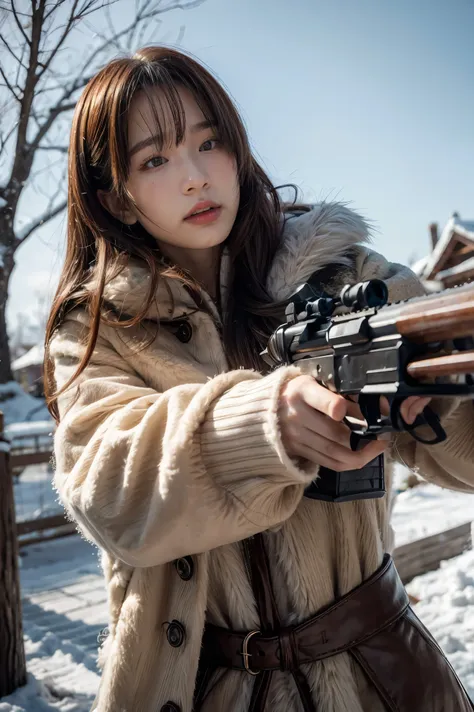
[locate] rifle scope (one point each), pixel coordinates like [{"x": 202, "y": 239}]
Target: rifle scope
[{"x": 364, "y": 295}]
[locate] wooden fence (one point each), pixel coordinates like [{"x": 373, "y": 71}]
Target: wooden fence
[
  {"x": 423, "y": 555},
  {"x": 29, "y": 448},
  {"x": 34, "y": 446}
]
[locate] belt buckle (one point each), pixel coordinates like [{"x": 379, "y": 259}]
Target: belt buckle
[{"x": 246, "y": 655}]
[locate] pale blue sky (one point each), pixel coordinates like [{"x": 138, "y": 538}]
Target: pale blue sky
[{"x": 366, "y": 101}]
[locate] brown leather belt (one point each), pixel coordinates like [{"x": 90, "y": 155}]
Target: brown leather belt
[
  {"x": 373, "y": 622},
  {"x": 365, "y": 611}
]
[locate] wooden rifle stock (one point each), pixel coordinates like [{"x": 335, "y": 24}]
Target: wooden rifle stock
[
  {"x": 440, "y": 317},
  {"x": 449, "y": 365}
]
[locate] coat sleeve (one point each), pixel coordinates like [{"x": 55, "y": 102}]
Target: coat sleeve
[
  {"x": 448, "y": 464},
  {"x": 151, "y": 476}
]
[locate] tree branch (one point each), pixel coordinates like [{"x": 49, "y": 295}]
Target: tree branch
[
  {"x": 17, "y": 59},
  {"x": 68, "y": 27},
  {"x": 142, "y": 13},
  {"x": 61, "y": 149},
  {"x": 8, "y": 85},
  {"x": 4, "y": 140},
  {"x": 48, "y": 215},
  {"x": 18, "y": 23},
  {"x": 52, "y": 116}
]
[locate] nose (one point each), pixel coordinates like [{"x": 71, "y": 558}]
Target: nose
[{"x": 194, "y": 177}]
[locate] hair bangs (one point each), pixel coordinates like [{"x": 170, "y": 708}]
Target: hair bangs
[{"x": 166, "y": 106}]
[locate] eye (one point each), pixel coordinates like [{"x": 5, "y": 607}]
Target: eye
[
  {"x": 209, "y": 144},
  {"x": 154, "y": 162}
]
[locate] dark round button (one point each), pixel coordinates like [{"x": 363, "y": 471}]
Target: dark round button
[
  {"x": 170, "y": 707},
  {"x": 185, "y": 567},
  {"x": 184, "y": 332},
  {"x": 175, "y": 634}
]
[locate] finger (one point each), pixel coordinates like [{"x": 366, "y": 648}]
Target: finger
[
  {"x": 324, "y": 460},
  {"x": 354, "y": 411},
  {"x": 372, "y": 450},
  {"x": 320, "y": 424},
  {"x": 328, "y": 447},
  {"x": 384, "y": 406},
  {"x": 345, "y": 458},
  {"x": 325, "y": 401},
  {"x": 412, "y": 407},
  {"x": 318, "y": 458}
]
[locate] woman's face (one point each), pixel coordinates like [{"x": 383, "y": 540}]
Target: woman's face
[{"x": 169, "y": 185}]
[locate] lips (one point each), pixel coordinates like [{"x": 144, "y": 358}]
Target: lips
[
  {"x": 204, "y": 217},
  {"x": 202, "y": 207}
]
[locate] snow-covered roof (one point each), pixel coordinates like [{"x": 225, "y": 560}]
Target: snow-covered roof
[
  {"x": 419, "y": 266},
  {"x": 465, "y": 266},
  {"x": 464, "y": 228},
  {"x": 33, "y": 357}
]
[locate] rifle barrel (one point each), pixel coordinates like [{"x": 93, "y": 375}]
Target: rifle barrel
[{"x": 449, "y": 365}]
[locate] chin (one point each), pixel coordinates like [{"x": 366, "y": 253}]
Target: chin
[{"x": 211, "y": 236}]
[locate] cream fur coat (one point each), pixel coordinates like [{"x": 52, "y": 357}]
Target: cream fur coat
[{"x": 163, "y": 453}]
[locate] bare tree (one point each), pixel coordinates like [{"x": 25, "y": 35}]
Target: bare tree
[{"x": 40, "y": 79}]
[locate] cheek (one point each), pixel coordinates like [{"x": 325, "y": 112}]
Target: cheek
[
  {"x": 226, "y": 172},
  {"x": 224, "y": 164},
  {"x": 152, "y": 195}
]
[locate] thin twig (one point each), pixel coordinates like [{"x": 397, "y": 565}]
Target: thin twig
[
  {"x": 35, "y": 224},
  {"x": 18, "y": 23}
]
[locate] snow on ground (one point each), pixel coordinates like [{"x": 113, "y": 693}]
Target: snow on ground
[
  {"x": 65, "y": 611},
  {"x": 64, "y": 615},
  {"x": 428, "y": 509},
  {"x": 446, "y": 607}
]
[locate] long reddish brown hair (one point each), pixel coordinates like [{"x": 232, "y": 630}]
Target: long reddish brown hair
[{"x": 96, "y": 241}]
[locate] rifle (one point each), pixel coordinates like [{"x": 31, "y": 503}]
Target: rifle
[{"x": 375, "y": 349}]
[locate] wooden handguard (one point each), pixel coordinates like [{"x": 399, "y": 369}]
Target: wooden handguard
[
  {"x": 438, "y": 317},
  {"x": 450, "y": 365}
]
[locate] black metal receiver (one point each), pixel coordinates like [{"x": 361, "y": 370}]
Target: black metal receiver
[{"x": 362, "y": 353}]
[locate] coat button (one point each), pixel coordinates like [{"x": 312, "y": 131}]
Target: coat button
[
  {"x": 184, "y": 332},
  {"x": 175, "y": 634},
  {"x": 170, "y": 707},
  {"x": 185, "y": 567}
]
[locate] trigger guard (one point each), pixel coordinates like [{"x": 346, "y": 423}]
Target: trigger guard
[{"x": 428, "y": 417}]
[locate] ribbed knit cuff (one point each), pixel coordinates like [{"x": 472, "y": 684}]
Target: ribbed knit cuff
[{"x": 241, "y": 434}]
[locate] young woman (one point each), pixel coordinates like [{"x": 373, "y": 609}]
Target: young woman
[{"x": 184, "y": 459}]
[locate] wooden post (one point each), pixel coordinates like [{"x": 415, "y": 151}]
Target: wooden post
[{"x": 12, "y": 651}]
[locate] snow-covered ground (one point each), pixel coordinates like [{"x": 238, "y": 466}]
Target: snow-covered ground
[
  {"x": 428, "y": 509},
  {"x": 64, "y": 615},
  {"x": 64, "y": 601}
]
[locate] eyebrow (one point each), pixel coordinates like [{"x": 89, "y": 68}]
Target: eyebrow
[{"x": 153, "y": 140}]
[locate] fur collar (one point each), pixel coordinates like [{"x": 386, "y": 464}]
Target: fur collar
[{"x": 311, "y": 241}]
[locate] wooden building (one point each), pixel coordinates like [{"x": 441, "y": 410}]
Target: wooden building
[{"x": 451, "y": 261}]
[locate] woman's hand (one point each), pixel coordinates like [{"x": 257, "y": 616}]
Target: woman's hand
[{"x": 311, "y": 425}]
